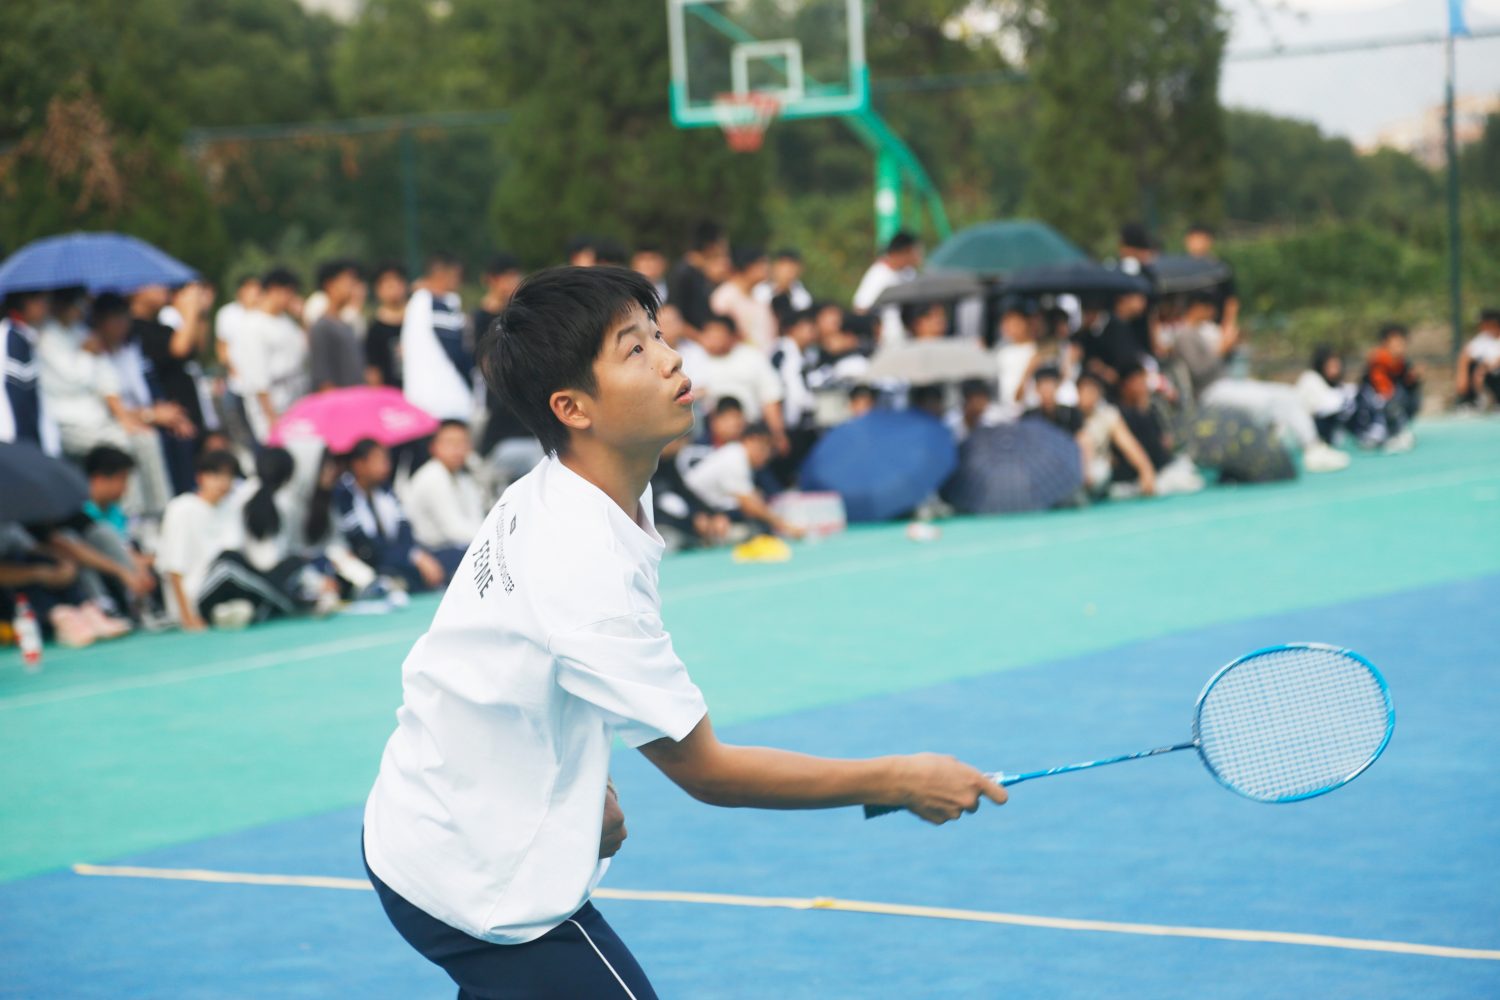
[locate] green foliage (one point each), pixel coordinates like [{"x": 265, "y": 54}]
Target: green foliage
[{"x": 297, "y": 249}]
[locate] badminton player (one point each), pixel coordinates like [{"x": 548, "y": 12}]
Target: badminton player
[{"x": 492, "y": 819}]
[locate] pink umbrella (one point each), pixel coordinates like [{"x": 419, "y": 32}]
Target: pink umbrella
[{"x": 344, "y": 417}]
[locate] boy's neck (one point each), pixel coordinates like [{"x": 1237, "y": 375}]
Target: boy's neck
[{"x": 622, "y": 476}]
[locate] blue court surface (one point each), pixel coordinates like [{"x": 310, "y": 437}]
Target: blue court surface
[{"x": 183, "y": 778}]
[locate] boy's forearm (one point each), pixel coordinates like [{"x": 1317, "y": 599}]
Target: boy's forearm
[{"x": 767, "y": 778}]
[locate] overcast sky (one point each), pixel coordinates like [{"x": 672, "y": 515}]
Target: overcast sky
[{"x": 1355, "y": 94}]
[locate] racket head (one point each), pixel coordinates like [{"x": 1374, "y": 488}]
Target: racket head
[{"x": 1294, "y": 721}]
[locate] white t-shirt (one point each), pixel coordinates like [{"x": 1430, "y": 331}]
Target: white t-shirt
[
  {"x": 547, "y": 645},
  {"x": 445, "y": 510},
  {"x": 877, "y": 279},
  {"x": 228, "y": 321},
  {"x": 753, "y": 318},
  {"x": 75, "y": 383},
  {"x": 796, "y": 293},
  {"x": 744, "y": 373},
  {"x": 193, "y": 533},
  {"x": 1016, "y": 390},
  {"x": 430, "y": 380},
  {"x": 1484, "y": 348},
  {"x": 722, "y": 476},
  {"x": 268, "y": 354}
]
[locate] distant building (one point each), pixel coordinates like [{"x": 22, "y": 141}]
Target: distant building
[{"x": 1422, "y": 136}]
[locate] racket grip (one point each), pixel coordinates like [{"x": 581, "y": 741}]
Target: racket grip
[{"x": 999, "y": 777}]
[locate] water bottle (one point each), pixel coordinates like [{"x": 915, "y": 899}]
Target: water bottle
[{"x": 28, "y": 635}]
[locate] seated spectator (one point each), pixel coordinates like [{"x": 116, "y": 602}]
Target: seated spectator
[
  {"x": 925, "y": 320},
  {"x": 929, "y": 399},
  {"x": 269, "y": 570},
  {"x": 383, "y": 338},
  {"x": 731, "y": 367},
  {"x": 23, "y": 410},
  {"x": 725, "y": 480},
  {"x": 50, "y": 586},
  {"x": 443, "y": 500},
  {"x": 1065, "y": 418},
  {"x": 1395, "y": 386},
  {"x": 196, "y": 529},
  {"x": 335, "y": 353},
  {"x": 727, "y": 423},
  {"x": 1109, "y": 340},
  {"x": 437, "y": 350},
  {"x": 1479, "y": 362},
  {"x": 1017, "y": 354},
  {"x": 861, "y": 401},
  {"x": 1327, "y": 398},
  {"x": 841, "y": 356},
  {"x": 682, "y": 517},
  {"x": 374, "y": 526},
  {"x": 1202, "y": 349},
  {"x": 108, "y": 531},
  {"x": 1103, "y": 435},
  {"x": 1174, "y": 473},
  {"x": 977, "y": 408},
  {"x": 792, "y": 359},
  {"x": 693, "y": 278},
  {"x": 897, "y": 265},
  {"x": 753, "y": 319},
  {"x": 783, "y": 291}
]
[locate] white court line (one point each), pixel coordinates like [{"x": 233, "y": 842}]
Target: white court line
[
  {"x": 261, "y": 661},
  {"x": 853, "y": 906},
  {"x": 758, "y": 581}
]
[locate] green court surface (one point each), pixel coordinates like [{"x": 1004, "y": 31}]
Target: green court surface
[{"x": 168, "y": 739}]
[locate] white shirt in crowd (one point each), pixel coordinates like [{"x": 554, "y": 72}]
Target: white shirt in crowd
[
  {"x": 1017, "y": 391},
  {"x": 877, "y": 279},
  {"x": 228, "y": 321},
  {"x": 797, "y": 400},
  {"x": 744, "y": 373},
  {"x": 75, "y": 386},
  {"x": 1319, "y": 398},
  {"x": 430, "y": 381},
  {"x": 445, "y": 508},
  {"x": 265, "y": 553},
  {"x": 1484, "y": 348},
  {"x": 547, "y": 645},
  {"x": 722, "y": 476},
  {"x": 269, "y": 354},
  {"x": 797, "y": 294},
  {"x": 753, "y": 318},
  {"x": 193, "y": 533}
]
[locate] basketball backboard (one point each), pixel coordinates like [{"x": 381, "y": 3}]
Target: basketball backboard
[{"x": 807, "y": 54}]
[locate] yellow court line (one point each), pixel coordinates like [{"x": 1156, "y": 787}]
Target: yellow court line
[{"x": 852, "y": 906}]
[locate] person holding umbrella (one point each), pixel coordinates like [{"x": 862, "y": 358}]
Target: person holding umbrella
[{"x": 23, "y": 413}]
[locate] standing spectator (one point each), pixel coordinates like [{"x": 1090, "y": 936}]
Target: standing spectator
[
  {"x": 374, "y": 525},
  {"x": 335, "y": 353},
  {"x": 198, "y": 526},
  {"x": 694, "y": 277},
  {"x": 1396, "y": 383},
  {"x": 582, "y": 251},
  {"x": 1200, "y": 243},
  {"x": 506, "y": 445},
  {"x": 1067, "y": 419},
  {"x": 270, "y": 354},
  {"x": 443, "y": 500},
  {"x": 23, "y": 413},
  {"x": 1479, "y": 362},
  {"x": 783, "y": 291},
  {"x": 977, "y": 408},
  {"x": 383, "y": 340},
  {"x": 675, "y": 332},
  {"x": 725, "y": 479},
  {"x": 792, "y": 359},
  {"x": 231, "y": 316},
  {"x": 501, "y": 276},
  {"x": 754, "y": 319},
  {"x": 896, "y": 266},
  {"x": 172, "y": 354},
  {"x": 650, "y": 263},
  {"x": 731, "y": 367},
  {"x": 436, "y": 354}
]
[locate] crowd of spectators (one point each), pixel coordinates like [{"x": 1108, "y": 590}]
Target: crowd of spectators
[{"x": 195, "y": 519}]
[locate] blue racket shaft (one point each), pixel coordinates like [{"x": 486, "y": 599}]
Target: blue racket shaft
[
  {"x": 1001, "y": 778},
  {"x": 1281, "y": 724}
]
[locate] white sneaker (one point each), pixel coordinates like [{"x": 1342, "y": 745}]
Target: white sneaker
[
  {"x": 1405, "y": 441},
  {"x": 233, "y": 614},
  {"x": 1321, "y": 458}
]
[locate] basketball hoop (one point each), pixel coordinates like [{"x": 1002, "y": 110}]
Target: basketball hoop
[{"x": 745, "y": 118}]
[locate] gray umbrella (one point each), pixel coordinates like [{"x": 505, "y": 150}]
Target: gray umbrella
[
  {"x": 1030, "y": 465},
  {"x": 1179, "y": 274},
  {"x": 934, "y": 286},
  {"x": 38, "y": 488},
  {"x": 927, "y": 362}
]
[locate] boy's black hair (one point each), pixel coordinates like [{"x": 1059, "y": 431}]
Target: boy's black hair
[
  {"x": 758, "y": 428},
  {"x": 919, "y": 397},
  {"x": 362, "y": 449},
  {"x": 502, "y": 263},
  {"x": 331, "y": 269},
  {"x": 578, "y": 243},
  {"x": 281, "y": 277},
  {"x": 1129, "y": 371},
  {"x": 1389, "y": 330},
  {"x": 901, "y": 241},
  {"x": 788, "y": 253},
  {"x": 108, "y": 305},
  {"x": 611, "y": 253},
  {"x": 1202, "y": 298},
  {"x": 549, "y": 335},
  {"x": 1093, "y": 380},
  {"x": 913, "y": 311},
  {"x": 975, "y": 387},
  {"x": 387, "y": 267},
  {"x": 16, "y": 301},
  {"x": 706, "y": 234},
  {"x": 1202, "y": 227},
  {"x": 245, "y": 279},
  {"x": 649, "y": 246},
  {"x": 1489, "y": 316},
  {"x": 728, "y": 404},
  {"x": 1047, "y": 371},
  {"x": 720, "y": 319},
  {"x": 861, "y": 392},
  {"x": 106, "y": 461},
  {"x": 462, "y": 425},
  {"x": 219, "y": 461},
  {"x": 743, "y": 256},
  {"x": 1136, "y": 236},
  {"x": 442, "y": 259}
]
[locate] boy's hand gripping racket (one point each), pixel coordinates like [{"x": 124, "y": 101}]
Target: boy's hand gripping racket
[{"x": 1277, "y": 725}]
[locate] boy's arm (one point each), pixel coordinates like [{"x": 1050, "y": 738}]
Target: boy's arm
[{"x": 935, "y": 787}]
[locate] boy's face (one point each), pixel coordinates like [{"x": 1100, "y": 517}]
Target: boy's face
[
  {"x": 108, "y": 490},
  {"x": 248, "y": 292},
  {"x": 1128, "y": 307},
  {"x": 717, "y": 339},
  {"x": 1046, "y": 391},
  {"x": 802, "y": 332},
  {"x": 784, "y": 271},
  {"x": 214, "y": 486},
  {"x": 1199, "y": 243},
  {"x": 390, "y": 290},
  {"x": 1133, "y": 391},
  {"x": 1015, "y": 327},
  {"x": 641, "y": 399},
  {"x": 1396, "y": 344},
  {"x": 931, "y": 324},
  {"x": 758, "y": 450},
  {"x": 451, "y": 447},
  {"x": 726, "y": 425},
  {"x": 1088, "y": 395},
  {"x": 650, "y": 264},
  {"x": 374, "y": 469}
]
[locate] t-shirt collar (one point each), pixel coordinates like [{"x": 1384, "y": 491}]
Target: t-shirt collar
[{"x": 639, "y": 534}]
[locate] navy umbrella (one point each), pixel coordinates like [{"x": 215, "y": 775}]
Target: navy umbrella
[
  {"x": 100, "y": 262},
  {"x": 38, "y": 488},
  {"x": 883, "y": 464},
  {"x": 1030, "y": 465}
]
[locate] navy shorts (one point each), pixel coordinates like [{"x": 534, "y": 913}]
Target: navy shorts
[{"x": 580, "y": 958}]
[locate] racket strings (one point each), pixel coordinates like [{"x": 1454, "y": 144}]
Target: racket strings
[{"x": 1292, "y": 721}]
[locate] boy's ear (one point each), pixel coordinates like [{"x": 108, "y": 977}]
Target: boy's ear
[{"x": 571, "y": 408}]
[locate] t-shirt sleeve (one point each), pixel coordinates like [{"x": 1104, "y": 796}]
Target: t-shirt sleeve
[
  {"x": 769, "y": 386},
  {"x": 626, "y": 667}
]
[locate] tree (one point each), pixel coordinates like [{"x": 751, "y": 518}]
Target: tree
[{"x": 1128, "y": 123}]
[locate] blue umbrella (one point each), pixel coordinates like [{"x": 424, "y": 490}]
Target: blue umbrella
[
  {"x": 100, "y": 262},
  {"x": 1030, "y": 465},
  {"x": 38, "y": 488},
  {"x": 883, "y": 464}
]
